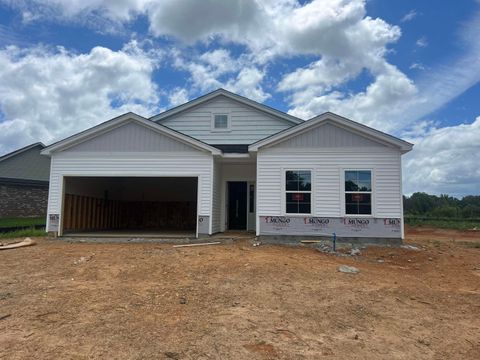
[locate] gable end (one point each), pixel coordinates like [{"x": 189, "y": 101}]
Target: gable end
[
  {"x": 131, "y": 137},
  {"x": 327, "y": 135}
]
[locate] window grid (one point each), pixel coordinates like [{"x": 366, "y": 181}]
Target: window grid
[
  {"x": 221, "y": 122},
  {"x": 354, "y": 202},
  {"x": 298, "y": 199}
]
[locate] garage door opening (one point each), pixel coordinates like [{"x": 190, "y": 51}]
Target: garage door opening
[{"x": 130, "y": 206}]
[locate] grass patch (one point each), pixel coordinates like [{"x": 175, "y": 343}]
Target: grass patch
[
  {"x": 23, "y": 233},
  {"x": 473, "y": 245},
  {"x": 14, "y": 222},
  {"x": 457, "y": 224}
]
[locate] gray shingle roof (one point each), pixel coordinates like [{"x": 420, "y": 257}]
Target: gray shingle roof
[{"x": 26, "y": 164}]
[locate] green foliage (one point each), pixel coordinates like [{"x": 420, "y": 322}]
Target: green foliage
[
  {"x": 443, "y": 206},
  {"x": 22, "y": 233},
  {"x": 442, "y": 211},
  {"x": 18, "y": 222},
  {"x": 442, "y": 223}
]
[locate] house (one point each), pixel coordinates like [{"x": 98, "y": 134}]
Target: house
[
  {"x": 24, "y": 175},
  {"x": 224, "y": 162}
]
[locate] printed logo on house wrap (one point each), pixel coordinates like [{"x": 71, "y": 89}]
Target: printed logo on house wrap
[
  {"x": 279, "y": 220},
  {"x": 356, "y": 224},
  {"x": 391, "y": 222},
  {"x": 316, "y": 223}
]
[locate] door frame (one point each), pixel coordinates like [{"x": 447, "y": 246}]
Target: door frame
[
  {"x": 62, "y": 183},
  {"x": 227, "y": 202}
]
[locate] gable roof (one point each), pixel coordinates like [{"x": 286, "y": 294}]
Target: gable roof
[
  {"x": 21, "y": 150},
  {"x": 25, "y": 166},
  {"x": 118, "y": 121},
  {"x": 222, "y": 92},
  {"x": 328, "y": 117}
]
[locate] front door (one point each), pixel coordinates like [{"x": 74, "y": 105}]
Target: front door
[{"x": 237, "y": 205}]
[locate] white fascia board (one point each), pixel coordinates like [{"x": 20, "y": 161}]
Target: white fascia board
[
  {"x": 118, "y": 121},
  {"x": 340, "y": 121},
  {"x": 232, "y": 96}
]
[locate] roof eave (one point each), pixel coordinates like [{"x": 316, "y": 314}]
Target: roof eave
[
  {"x": 112, "y": 123},
  {"x": 387, "y": 139}
]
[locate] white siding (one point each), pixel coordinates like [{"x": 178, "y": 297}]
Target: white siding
[
  {"x": 193, "y": 163},
  {"x": 327, "y": 135},
  {"x": 216, "y": 197},
  {"x": 248, "y": 125},
  {"x": 131, "y": 137},
  {"x": 327, "y": 168}
]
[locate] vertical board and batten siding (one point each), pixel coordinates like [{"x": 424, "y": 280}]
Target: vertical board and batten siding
[
  {"x": 327, "y": 135},
  {"x": 131, "y": 151},
  {"x": 247, "y": 124},
  {"x": 327, "y": 150},
  {"x": 131, "y": 137},
  {"x": 216, "y": 197}
]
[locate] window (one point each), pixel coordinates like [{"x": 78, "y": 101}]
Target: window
[
  {"x": 358, "y": 192},
  {"x": 220, "y": 122},
  {"x": 298, "y": 188}
]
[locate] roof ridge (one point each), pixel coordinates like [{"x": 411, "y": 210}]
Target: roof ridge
[
  {"x": 221, "y": 91},
  {"x": 18, "y": 151}
]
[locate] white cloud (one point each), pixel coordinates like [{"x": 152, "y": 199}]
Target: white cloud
[
  {"x": 444, "y": 160},
  {"x": 422, "y": 42},
  {"x": 247, "y": 83},
  {"x": 47, "y": 94},
  {"x": 178, "y": 96},
  {"x": 192, "y": 20},
  {"x": 417, "y": 66},
  {"x": 215, "y": 69},
  {"x": 323, "y": 74},
  {"x": 380, "y": 105},
  {"x": 412, "y": 14}
]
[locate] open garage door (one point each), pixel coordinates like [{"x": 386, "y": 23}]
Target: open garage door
[{"x": 130, "y": 206}]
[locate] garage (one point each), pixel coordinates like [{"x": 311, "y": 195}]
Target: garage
[{"x": 130, "y": 206}]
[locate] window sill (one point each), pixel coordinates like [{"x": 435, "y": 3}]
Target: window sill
[
  {"x": 297, "y": 214},
  {"x": 359, "y": 215}
]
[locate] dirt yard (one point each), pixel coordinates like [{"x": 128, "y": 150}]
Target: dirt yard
[{"x": 149, "y": 301}]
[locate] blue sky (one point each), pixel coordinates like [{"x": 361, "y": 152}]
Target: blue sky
[{"x": 410, "y": 68}]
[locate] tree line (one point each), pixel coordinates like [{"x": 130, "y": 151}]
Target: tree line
[{"x": 443, "y": 206}]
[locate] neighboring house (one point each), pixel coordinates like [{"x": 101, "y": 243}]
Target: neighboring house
[
  {"x": 24, "y": 176},
  {"x": 224, "y": 162}
]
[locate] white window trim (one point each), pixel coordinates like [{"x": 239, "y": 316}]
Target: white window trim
[
  {"x": 372, "y": 192},
  {"x": 229, "y": 122},
  {"x": 311, "y": 192}
]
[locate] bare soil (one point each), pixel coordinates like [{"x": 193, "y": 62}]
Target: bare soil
[{"x": 61, "y": 300}]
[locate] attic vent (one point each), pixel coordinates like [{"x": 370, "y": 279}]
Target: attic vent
[{"x": 221, "y": 122}]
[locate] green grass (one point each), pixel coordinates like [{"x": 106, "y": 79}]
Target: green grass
[
  {"x": 22, "y": 233},
  {"x": 13, "y": 222},
  {"x": 457, "y": 224}
]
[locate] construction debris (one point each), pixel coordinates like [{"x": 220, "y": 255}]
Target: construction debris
[
  {"x": 83, "y": 259},
  {"x": 5, "y": 316},
  {"x": 26, "y": 242},
  {"x": 199, "y": 244},
  {"x": 348, "y": 269},
  {"x": 355, "y": 252}
]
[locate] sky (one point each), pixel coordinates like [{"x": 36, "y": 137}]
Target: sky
[{"x": 407, "y": 67}]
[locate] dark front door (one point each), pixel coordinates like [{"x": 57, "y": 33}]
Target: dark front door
[{"x": 237, "y": 205}]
